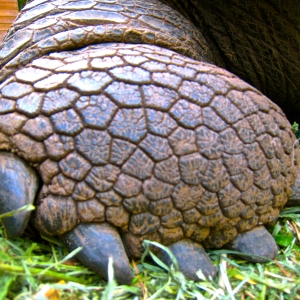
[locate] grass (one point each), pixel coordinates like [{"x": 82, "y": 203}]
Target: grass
[
  {"x": 34, "y": 267},
  {"x": 295, "y": 128},
  {"x": 42, "y": 268}
]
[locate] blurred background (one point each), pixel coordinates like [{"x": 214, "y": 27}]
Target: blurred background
[{"x": 9, "y": 10}]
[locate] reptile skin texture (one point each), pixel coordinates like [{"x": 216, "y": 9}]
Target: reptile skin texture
[{"x": 127, "y": 132}]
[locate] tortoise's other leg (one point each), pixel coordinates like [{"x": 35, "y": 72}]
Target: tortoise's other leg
[
  {"x": 99, "y": 242},
  {"x": 294, "y": 198},
  {"x": 18, "y": 187},
  {"x": 191, "y": 257},
  {"x": 257, "y": 242}
]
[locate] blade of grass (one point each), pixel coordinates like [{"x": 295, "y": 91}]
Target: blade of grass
[
  {"x": 224, "y": 277},
  {"x": 147, "y": 243},
  {"x": 70, "y": 255},
  {"x": 27, "y": 207},
  {"x": 37, "y": 272},
  {"x": 5, "y": 282},
  {"x": 108, "y": 293},
  {"x": 160, "y": 290}
]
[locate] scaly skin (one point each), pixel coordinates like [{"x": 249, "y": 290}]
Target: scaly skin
[
  {"x": 119, "y": 133},
  {"x": 42, "y": 29},
  {"x": 138, "y": 137}
]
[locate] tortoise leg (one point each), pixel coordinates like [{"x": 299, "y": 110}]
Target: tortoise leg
[
  {"x": 294, "y": 197},
  {"x": 191, "y": 257},
  {"x": 99, "y": 242},
  {"x": 18, "y": 185},
  {"x": 257, "y": 242}
]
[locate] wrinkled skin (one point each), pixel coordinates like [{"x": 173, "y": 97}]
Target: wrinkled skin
[
  {"x": 259, "y": 41},
  {"x": 133, "y": 141}
]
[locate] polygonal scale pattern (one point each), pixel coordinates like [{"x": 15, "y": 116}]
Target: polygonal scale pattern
[
  {"x": 159, "y": 159},
  {"x": 42, "y": 27}
]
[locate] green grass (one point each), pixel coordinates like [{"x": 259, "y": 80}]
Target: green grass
[
  {"x": 34, "y": 267},
  {"x": 295, "y": 128},
  {"x": 31, "y": 267}
]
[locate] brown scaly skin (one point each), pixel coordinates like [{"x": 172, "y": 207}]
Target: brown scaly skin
[{"x": 133, "y": 141}]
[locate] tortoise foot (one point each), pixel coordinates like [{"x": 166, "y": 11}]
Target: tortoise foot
[
  {"x": 191, "y": 257},
  {"x": 294, "y": 197},
  {"x": 257, "y": 242},
  {"x": 99, "y": 242},
  {"x": 18, "y": 185}
]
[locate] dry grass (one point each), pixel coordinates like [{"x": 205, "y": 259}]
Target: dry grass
[{"x": 32, "y": 268}]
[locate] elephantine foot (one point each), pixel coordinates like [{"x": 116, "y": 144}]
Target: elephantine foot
[
  {"x": 99, "y": 242},
  {"x": 191, "y": 257},
  {"x": 258, "y": 243},
  {"x": 18, "y": 186}
]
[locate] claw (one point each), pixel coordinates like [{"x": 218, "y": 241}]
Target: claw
[
  {"x": 257, "y": 242},
  {"x": 191, "y": 257},
  {"x": 294, "y": 199},
  {"x": 99, "y": 242},
  {"x": 18, "y": 186}
]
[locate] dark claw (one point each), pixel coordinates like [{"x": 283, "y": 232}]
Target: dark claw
[
  {"x": 294, "y": 199},
  {"x": 257, "y": 242},
  {"x": 191, "y": 257},
  {"x": 18, "y": 186},
  {"x": 99, "y": 242}
]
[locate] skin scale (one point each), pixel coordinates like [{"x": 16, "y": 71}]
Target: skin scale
[{"x": 135, "y": 139}]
